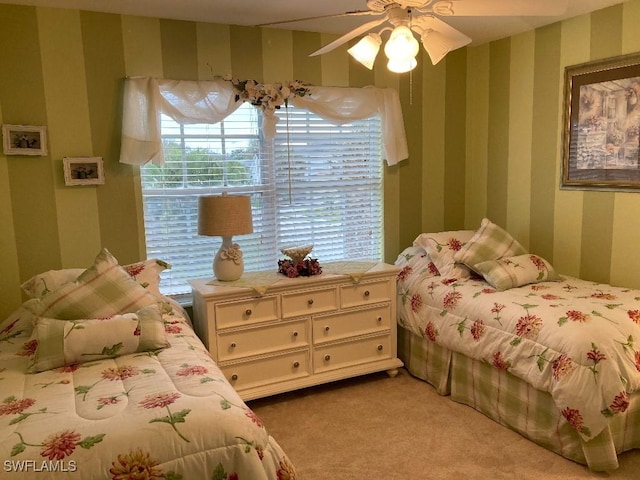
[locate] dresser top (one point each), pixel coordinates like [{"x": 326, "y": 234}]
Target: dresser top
[{"x": 268, "y": 282}]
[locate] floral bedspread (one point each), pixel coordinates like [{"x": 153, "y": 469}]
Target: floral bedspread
[
  {"x": 577, "y": 340},
  {"x": 169, "y": 414}
]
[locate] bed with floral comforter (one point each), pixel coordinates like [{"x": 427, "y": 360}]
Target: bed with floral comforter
[
  {"x": 531, "y": 330},
  {"x": 132, "y": 393}
]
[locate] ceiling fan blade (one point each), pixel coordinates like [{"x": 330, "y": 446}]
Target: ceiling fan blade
[
  {"x": 354, "y": 13},
  {"x": 512, "y": 8},
  {"x": 455, "y": 38},
  {"x": 348, "y": 36}
]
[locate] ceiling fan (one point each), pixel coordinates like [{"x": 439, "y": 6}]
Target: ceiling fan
[{"x": 423, "y": 17}]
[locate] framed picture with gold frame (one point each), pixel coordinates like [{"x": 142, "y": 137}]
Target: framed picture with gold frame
[{"x": 602, "y": 125}]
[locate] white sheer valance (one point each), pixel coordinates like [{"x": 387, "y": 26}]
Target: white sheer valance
[{"x": 211, "y": 101}]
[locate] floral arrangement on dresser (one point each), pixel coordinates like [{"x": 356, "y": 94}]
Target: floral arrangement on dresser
[{"x": 298, "y": 265}]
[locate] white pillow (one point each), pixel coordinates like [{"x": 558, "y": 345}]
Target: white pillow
[
  {"x": 516, "y": 271},
  {"x": 442, "y": 247},
  {"x": 67, "y": 342}
]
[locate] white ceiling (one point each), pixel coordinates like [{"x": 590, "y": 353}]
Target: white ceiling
[{"x": 254, "y": 12}]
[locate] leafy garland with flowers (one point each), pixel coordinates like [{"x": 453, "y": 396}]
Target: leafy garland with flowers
[{"x": 268, "y": 97}]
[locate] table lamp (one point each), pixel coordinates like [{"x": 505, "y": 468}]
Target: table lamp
[{"x": 224, "y": 216}]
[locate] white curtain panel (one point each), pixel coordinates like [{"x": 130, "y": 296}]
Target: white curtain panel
[{"x": 211, "y": 101}]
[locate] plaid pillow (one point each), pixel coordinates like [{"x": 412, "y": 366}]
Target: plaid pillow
[
  {"x": 516, "y": 271},
  {"x": 67, "y": 342},
  {"x": 101, "y": 291},
  {"x": 146, "y": 273},
  {"x": 490, "y": 242}
]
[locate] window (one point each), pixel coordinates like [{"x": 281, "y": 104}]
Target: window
[{"x": 315, "y": 183}]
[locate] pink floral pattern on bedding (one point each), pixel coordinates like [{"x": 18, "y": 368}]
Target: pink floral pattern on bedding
[
  {"x": 577, "y": 340},
  {"x": 157, "y": 414}
]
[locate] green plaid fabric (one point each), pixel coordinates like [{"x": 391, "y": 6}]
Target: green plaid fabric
[
  {"x": 489, "y": 243},
  {"x": 426, "y": 360},
  {"x": 103, "y": 290},
  {"x": 517, "y": 405}
]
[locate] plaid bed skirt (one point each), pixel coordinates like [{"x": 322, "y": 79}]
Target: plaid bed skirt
[{"x": 515, "y": 404}]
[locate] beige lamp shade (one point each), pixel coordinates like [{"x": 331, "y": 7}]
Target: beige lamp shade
[{"x": 224, "y": 215}]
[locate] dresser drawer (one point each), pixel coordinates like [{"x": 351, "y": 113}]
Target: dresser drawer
[
  {"x": 309, "y": 302},
  {"x": 346, "y": 354},
  {"x": 246, "y": 312},
  {"x": 267, "y": 370},
  {"x": 366, "y": 292},
  {"x": 352, "y": 323},
  {"x": 265, "y": 339}
]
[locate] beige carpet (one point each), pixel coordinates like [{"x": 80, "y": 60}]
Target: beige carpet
[{"x": 375, "y": 427}]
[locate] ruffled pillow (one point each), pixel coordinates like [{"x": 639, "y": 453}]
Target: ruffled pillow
[
  {"x": 416, "y": 264},
  {"x": 516, "y": 271},
  {"x": 442, "y": 247},
  {"x": 41, "y": 284},
  {"x": 68, "y": 342},
  {"x": 490, "y": 242},
  {"x": 147, "y": 273},
  {"x": 101, "y": 291}
]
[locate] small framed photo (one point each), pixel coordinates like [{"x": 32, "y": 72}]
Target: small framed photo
[
  {"x": 83, "y": 171},
  {"x": 24, "y": 140}
]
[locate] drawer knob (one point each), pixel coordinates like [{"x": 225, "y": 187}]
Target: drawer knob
[
  {"x": 380, "y": 348},
  {"x": 327, "y": 328},
  {"x": 379, "y": 319},
  {"x": 295, "y": 334},
  {"x": 310, "y": 301},
  {"x": 296, "y": 364},
  {"x": 367, "y": 293},
  {"x": 327, "y": 358},
  {"x": 233, "y": 345},
  {"x": 234, "y": 377},
  {"x": 248, "y": 312}
]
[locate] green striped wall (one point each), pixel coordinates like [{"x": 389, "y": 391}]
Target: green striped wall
[
  {"x": 514, "y": 117},
  {"x": 484, "y": 129},
  {"x": 65, "y": 69}
]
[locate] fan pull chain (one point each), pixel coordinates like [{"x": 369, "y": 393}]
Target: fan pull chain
[
  {"x": 286, "y": 107},
  {"x": 411, "y": 87}
]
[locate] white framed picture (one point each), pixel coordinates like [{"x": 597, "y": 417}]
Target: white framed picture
[
  {"x": 24, "y": 140},
  {"x": 83, "y": 171}
]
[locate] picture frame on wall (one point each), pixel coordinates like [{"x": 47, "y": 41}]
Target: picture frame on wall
[
  {"x": 24, "y": 140},
  {"x": 602, "y": 125},
  {"x": 83, "y": 171}
]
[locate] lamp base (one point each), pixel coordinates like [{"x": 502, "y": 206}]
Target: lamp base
[{"x": 228, "y": 264}]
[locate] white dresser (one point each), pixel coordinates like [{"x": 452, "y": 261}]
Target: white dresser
[{"x": 303, "y": 331}]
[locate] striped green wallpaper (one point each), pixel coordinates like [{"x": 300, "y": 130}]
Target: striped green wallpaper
[{"x": 484, "y": 129}]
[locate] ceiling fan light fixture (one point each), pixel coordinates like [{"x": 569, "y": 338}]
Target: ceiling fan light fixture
[
  {"x": 402, "y": 66},
  {"x": 366, "y": 50},
  {"x": 401, "y": 45},
  {"x": 436, "y": 44}
]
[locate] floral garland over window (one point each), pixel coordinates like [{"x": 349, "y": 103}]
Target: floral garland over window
[{"x": 268, "y": 97}]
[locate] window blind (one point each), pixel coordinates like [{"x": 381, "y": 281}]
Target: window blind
[{"x": 314, "y": 183}]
